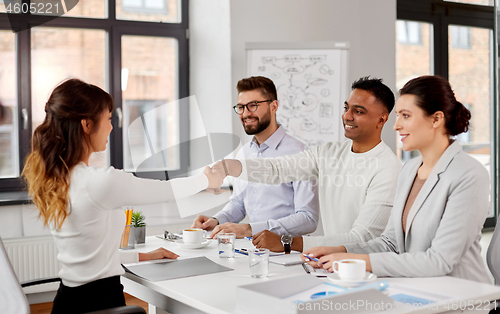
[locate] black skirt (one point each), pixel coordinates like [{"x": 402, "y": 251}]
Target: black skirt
[{"x": 96, "y": 295}]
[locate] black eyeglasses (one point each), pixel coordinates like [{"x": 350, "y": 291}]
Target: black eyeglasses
[{"x": 251, "y": 106}]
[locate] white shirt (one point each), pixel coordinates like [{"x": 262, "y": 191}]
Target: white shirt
[
  {"x": 89, "y": 238},
  {"x": 356, "y": 191}
]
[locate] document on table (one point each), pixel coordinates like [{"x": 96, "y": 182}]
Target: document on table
[
  {"x": 286, "y": 259},
  {"x": 323, "y": 290},
  {"x": 173, "y": 269},
  {"x": 414, "y": 296}
]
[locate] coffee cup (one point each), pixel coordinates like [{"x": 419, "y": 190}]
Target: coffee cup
[
  {"x": 192, "y": 235},
  {"x": 350, "y": 269}
]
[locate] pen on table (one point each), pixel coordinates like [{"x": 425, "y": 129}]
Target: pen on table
[
  {"x": 241, "y": 252},
  {"x": 305, "y": 268}
]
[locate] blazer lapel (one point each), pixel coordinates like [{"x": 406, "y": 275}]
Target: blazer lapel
[
  {"x": 431, "y": 181},
  {"x": 399, "y": 205}
]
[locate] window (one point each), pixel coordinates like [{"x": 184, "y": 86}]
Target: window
[
  {"x": 407, "y": 68},
  {"x": 145, "y": 6},
  {"x": 165, "y": 11},
  {"x": 457, "y": 44},
  {"x": 459, "y": 36},
  {"x": 9, "y": 143},
  {"x": 408, "y": 32},
  {"x": 479, "y": 2},
  {"x": 142, "y": 64}
]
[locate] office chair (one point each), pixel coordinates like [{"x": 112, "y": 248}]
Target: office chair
[
  {"x": 493, "y": 255},
  {"x": 493, "y": 259},
  {"x": 13, "y": 300}
]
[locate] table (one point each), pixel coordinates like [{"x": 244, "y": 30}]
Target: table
[{"x": 216, "y": 293}]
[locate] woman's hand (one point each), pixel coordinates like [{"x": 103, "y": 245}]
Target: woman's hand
[
  {"x": 159, "y": 253},
  {"x": 319, "y": 251},
  {"x": 215, "y": 179}
]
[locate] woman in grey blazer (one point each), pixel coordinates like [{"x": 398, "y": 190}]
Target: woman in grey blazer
[{"x": 441, "y": 201}]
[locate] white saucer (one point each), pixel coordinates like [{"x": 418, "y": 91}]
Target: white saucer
[
  {"x": 192, "y": 246},
  {"x": 334, "y": 277}
]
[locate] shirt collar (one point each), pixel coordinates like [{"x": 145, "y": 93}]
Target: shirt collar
[{"x": 273, "y": 141}]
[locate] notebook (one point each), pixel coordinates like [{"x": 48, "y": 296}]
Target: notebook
[{"x": 173, "y": 269}]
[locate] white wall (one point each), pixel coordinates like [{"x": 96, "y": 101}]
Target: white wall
[
  {"x": 368, "y": 25},
  {"x": 210, "y": 63}
]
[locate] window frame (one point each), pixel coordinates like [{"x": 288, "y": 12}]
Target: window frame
[
  {"x": 441, "y": 14},
  {"x": 114, "y": 29}
]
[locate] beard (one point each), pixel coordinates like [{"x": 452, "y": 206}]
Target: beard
[{"x": 260, "y": 126}]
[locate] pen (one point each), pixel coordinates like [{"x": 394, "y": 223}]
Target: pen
[
  {"x": 312, "y": 258},
  {"x": 241, "y": 251}
]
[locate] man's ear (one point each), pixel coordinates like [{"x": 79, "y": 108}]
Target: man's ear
[
  {"x": 86, "y": 125},
  {"x": 274, "y": 106},
  {"x": 383, "y": 119}
]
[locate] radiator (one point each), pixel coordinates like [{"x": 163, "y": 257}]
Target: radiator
[{"x": 33, "y": 258}]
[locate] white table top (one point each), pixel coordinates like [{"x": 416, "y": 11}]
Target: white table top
[{"x": 216, "y": 293}]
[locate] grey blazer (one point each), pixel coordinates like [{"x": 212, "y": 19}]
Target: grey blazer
[{"x": 443, "y": 229}]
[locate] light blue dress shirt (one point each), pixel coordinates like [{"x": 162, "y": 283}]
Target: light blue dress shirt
[{"x": 289, "y": 208}]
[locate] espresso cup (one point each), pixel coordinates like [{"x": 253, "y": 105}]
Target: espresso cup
[
  {"x": 192, "y": 235},
  {"x": 350, "y": 269}
]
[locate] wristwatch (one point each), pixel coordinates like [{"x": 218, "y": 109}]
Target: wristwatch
[{"x": 287, "y": 240}]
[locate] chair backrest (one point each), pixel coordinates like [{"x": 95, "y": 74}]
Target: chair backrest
[
  {"x": 12, "y": 298},
  {"x": 493, "y": 255}
]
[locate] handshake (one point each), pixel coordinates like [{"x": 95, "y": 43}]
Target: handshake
[{"x": 219, "y": 171}]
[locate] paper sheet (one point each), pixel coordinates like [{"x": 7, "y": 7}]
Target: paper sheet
[
  {"x": 286, "y": 260},
  {"x": 417, "y": 297}
]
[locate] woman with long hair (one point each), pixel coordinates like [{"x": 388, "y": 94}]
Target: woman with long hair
[
  {"x": 81, "y": 204},
  {"x": 442, "y": 198}
]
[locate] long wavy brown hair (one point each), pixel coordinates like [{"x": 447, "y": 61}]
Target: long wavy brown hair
[{"x": 60, "y": 143}]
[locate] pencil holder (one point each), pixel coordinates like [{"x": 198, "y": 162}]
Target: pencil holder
[{"x": 128, "y": 238}]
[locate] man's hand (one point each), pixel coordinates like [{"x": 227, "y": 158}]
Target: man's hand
[
  {"x": 272, "y": 241},
  {"x": 229, "y": 167},
  {"x": 268, "y": 240},
  {"x": 159, "y": 253},
  {"x": 204, "y": 222},
  {"x": 240, "y": 230}
]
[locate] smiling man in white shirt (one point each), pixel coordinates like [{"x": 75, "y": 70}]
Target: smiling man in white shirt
[{"x": 288, "y": 208}]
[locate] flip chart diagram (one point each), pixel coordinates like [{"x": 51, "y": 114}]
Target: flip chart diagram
[{"x": 311, "y": 84}]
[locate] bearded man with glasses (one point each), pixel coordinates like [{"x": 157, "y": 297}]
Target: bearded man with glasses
[{"x": 288, "y": 208}]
